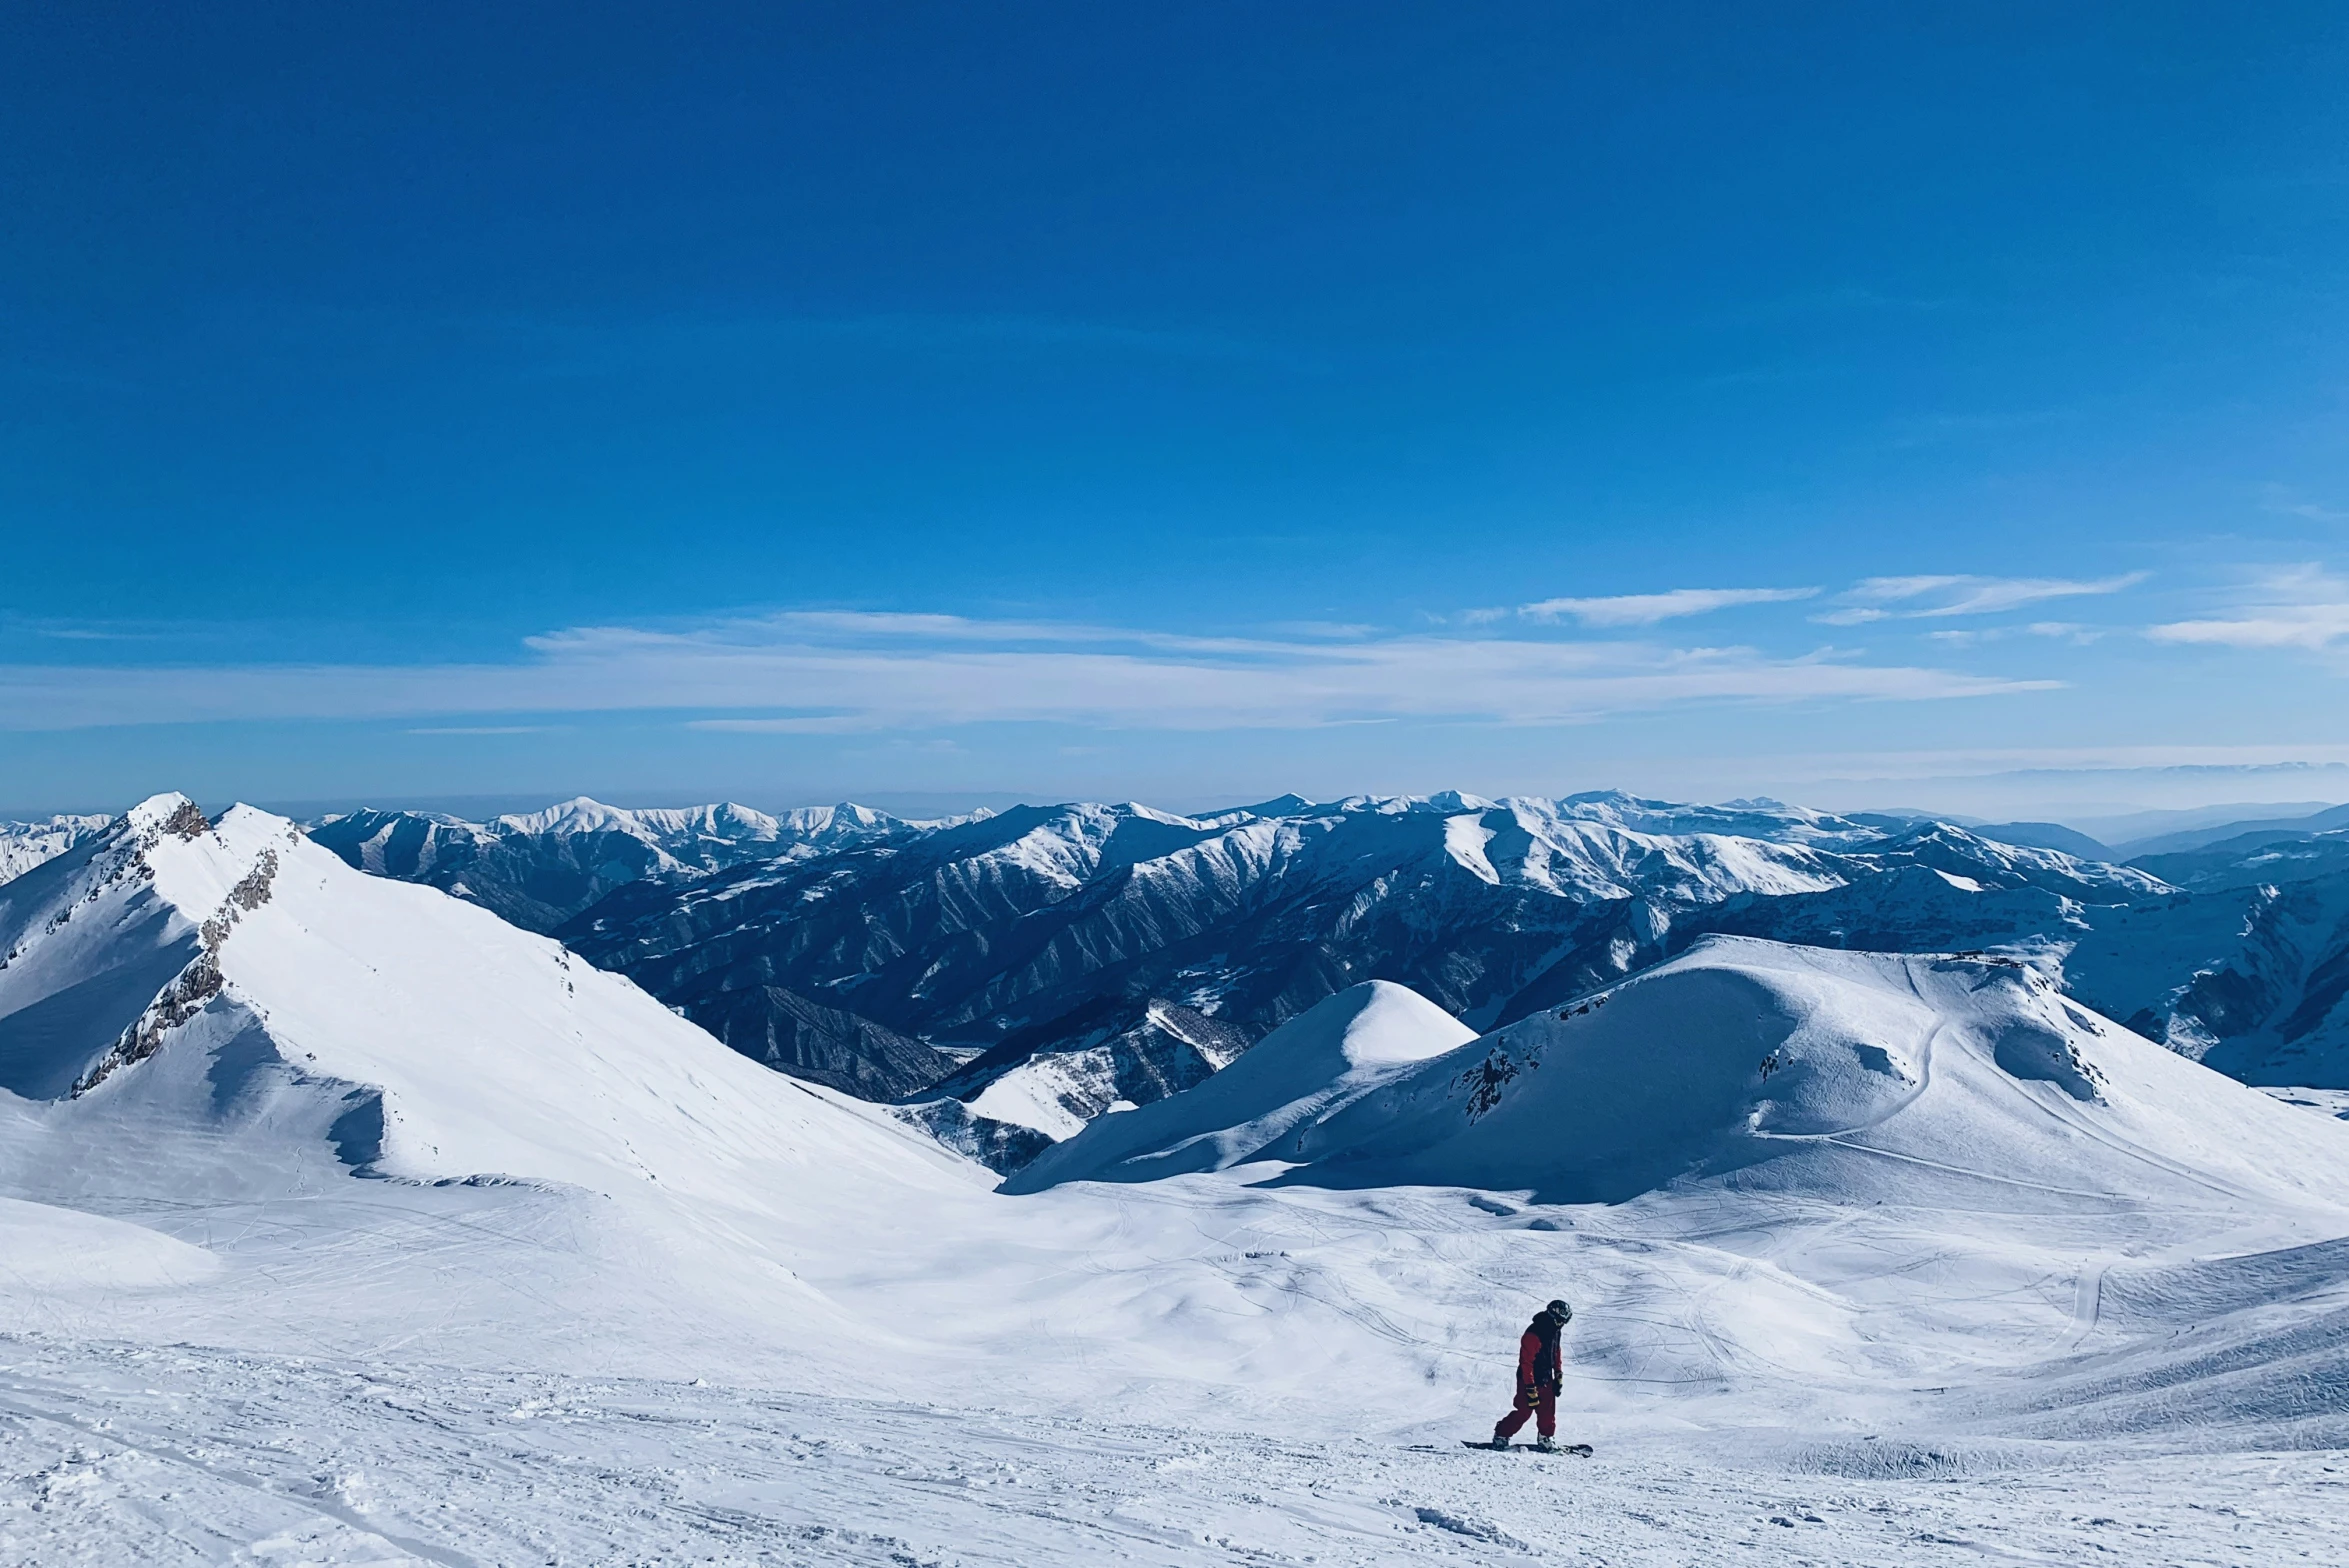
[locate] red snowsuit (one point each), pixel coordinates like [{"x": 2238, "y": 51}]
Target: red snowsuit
[{"x": 1538, "y": 1377}]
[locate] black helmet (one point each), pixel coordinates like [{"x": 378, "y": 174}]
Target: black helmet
[{"x": 1559, "y": 1310}]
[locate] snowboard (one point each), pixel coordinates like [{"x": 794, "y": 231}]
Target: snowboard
[{"x": 1579, "y": 1450}]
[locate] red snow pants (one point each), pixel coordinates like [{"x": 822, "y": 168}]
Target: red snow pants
[{"x": 1541, "y": 1404}]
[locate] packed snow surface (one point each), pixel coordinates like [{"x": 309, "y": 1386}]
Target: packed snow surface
[{"x": 346, "y": 1224}]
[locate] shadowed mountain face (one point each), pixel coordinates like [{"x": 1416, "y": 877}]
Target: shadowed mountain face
[
  {"x": 995, "y": 929},
  {"x": 538, "y": 870},
  {"x": 1019, "y": 974},
  {"x": 823, "y": 1044},
  {"x": 2246, "y": 968}
]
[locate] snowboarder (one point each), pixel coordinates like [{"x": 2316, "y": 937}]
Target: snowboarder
[{"x": 1538, "y": 1376}]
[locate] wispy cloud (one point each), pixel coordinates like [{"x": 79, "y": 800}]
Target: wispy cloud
[
  {"x": 2283, "y": 499},
  {"x": 2064, "y": 631},
  {"x": 796, "y": 724},
  {"x": 835, "y": 672},
  {"x": 2021, "y": 760},
  {"x": 1338, "y": 631},
  {"x": 485, "y": 729},
  {"x": 1928, "y": 598},
  {"x": 75, "y": 631},
  {"x": 2305, "y": 607},
  {"x": 1646, "y": 609}
]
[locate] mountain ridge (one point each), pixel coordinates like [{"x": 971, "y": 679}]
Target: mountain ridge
[{"x": 1012, "y": 975}]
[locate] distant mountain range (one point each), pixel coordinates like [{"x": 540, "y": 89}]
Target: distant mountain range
[
  {"x": 541, "y": 868},
  {"x": 1006, "y": 978},
  {"x": 24, "y": 845},
  {"x": 1086, "y": 951}
]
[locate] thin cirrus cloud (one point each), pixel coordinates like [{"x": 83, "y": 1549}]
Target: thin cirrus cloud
[
  {"x": 841, "y": 672},
  {"x": 1932, "y": 597},
  {"x": 2305, "y": 607},
  {"x": 2067, "y": 631},
  {"x": 1646, "y": 609},
  {"x": 484, "y": 729}
]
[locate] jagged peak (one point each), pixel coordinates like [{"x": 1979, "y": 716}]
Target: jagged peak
[
  {"x": 169, "y": 810},
  {"x": 1452, "y": 800}
]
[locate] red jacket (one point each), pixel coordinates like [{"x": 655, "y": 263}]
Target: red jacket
[{"x": 1537, "y": 1362}]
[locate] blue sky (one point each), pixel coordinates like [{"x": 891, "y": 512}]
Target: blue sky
[{"x": 1866, "y": 404}]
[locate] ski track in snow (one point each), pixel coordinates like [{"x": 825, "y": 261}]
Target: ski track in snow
[{"x": 111, "y": 1453}]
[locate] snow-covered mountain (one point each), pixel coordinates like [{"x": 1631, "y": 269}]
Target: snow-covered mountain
[
  {"x": 344, "y": 1222},
  {"x": 2246, "y": 968},
  {"x": 2240, "y": 832},
  {"x": 24, "y": 845},
  {"x": 1083, "y": 949},
  {"x": 1018, "y": 975},
  {"x": 242, "y": 964},
  {"x": 1955, "y": 1114},
  {"x": 1324, "y": 1059},
  {"x": 539, "y": 868},
  {"x": 1011, "y": 1101},
  {"x": 1796, "y": 1070}
]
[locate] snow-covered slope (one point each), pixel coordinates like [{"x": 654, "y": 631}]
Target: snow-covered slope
[
  {"x": 1010, "y": 1102},
  {"x": 24, "y": 845},
  {"x": 1325, "y": 1058},
  {"x": 446, "y": 1043},
  {"x": 1842, "y": 1167},
  {"x": 1853, "y": 1077}
]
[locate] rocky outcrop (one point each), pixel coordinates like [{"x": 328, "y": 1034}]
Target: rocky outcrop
[{"x": 173, "y": 1006}]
